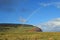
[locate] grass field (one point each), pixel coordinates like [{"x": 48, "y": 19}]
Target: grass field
[
  {"x": 30, "y": 36},
  {"x": 25, "y": 32}
]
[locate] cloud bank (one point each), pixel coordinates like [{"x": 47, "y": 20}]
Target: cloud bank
[{"x": 51, "y": 26}]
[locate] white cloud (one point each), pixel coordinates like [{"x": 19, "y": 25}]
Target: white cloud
[
  {"x": 52, "y": 25},
  {"x": 56, "y": 4},
  {"x": 54, "y": 22}
]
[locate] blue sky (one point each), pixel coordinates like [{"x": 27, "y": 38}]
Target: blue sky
[{"x": 11, "y": 11}]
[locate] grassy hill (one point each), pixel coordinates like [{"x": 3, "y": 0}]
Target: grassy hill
[{"x": 17, "y": 28}]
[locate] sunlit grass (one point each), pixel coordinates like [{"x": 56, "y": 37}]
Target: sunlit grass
[{"x": 31, "y": 36}]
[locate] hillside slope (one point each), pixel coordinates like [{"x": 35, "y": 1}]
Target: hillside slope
[{"x": 17, "y": 28}]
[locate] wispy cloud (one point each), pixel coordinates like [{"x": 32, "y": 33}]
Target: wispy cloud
[
  {"x": 56, "y": 4},
  {"x": 32, "y": 14}
]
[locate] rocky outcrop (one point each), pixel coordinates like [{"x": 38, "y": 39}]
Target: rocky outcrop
[{"x": 36, "y": 29}]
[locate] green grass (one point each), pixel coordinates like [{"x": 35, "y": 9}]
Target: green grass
[
  {"x": 31, "y": 36},
  {"x": 17, "y": 29}
]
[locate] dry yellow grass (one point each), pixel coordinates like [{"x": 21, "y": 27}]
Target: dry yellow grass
[{"x": 31, "y": 36}]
